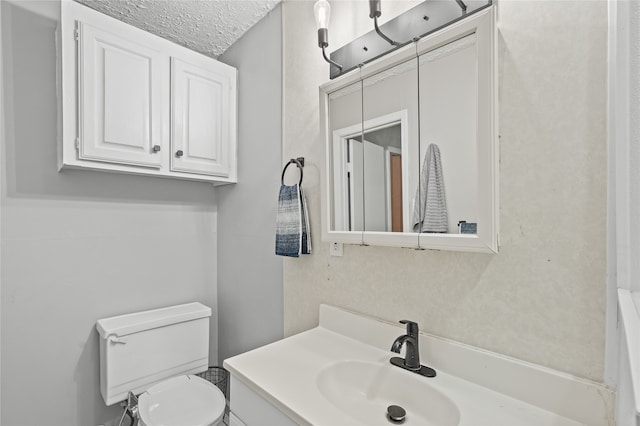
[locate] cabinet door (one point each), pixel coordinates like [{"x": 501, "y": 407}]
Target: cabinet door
[
  {"x": 119, "y": 99},
  {"x": 201, "y": 112}
]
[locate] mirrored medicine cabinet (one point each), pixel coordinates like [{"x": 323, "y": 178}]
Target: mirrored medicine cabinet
[{"x": 411, "y": 146}]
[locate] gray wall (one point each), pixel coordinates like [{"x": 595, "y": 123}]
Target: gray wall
[
  {"x": 250, "y": 279},
  {"x": 77, "y": 246}
]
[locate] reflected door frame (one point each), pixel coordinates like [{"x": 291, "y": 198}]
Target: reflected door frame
[{"x": 340, "y": 150}]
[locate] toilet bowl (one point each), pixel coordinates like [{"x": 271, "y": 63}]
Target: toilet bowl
[
  {"x": 181, "y": 401},
  {"x": 154, "y": 354}
]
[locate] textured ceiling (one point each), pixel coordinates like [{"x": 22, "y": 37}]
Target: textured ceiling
[{"x": 206, "y": 26}]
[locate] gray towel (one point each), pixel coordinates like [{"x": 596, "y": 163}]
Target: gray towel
[
  {"x": 292, "y": 223},
  {"x": 430, "y": 208}
]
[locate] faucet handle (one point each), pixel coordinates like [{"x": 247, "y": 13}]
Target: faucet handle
[{"x": 412, "y": 327}]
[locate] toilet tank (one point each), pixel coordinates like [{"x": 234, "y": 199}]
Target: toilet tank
[{"x": 141, "y": 349}]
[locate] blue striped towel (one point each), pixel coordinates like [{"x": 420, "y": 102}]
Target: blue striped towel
[
  {"x": 430, "y": 208},
  {"x": 293, "y": 236}
]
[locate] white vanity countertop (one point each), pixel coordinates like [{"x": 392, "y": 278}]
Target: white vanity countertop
[{"x": 285, "y": 374}]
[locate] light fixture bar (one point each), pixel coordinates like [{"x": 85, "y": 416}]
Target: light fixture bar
[{"x": 423, "y": 19}]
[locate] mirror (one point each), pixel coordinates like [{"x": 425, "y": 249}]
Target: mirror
[
  {"x": 371, "y": 144},
  {"x": 345, "y": 114},
  {"x": 448, "y": 159},
  {"x": 390, "y": 129},
  {"x": 411, "y": 145}
]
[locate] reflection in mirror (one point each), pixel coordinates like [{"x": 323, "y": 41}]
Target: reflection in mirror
[
  {"x": 374, "y": 186},
  {"x": 447, "y": 198},
  {"x": 390, "y": 110},
  {"x": 382, "y": 195},
  {"x": 345, "y": 114},
  {"x": 373, "y": 174}
]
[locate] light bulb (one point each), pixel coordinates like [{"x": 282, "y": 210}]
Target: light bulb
[{"x": 322, "y": 11}]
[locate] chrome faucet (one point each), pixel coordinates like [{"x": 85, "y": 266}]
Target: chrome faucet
[{"x": 411, "y": 360}]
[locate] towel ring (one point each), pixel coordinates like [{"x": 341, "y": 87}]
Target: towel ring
[{"x": 297, "y": 161}]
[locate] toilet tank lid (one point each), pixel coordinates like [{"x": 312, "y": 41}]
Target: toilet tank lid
[{"x": 123, "y": 325}]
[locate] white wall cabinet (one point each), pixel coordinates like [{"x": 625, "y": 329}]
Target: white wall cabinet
[
  {"x": 135, "y": 103},
  {"x": 199, "y": 119},
  {"x": 120, "y": 85}
]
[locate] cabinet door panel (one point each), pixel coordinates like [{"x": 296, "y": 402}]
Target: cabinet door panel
[
  {"x": 120, "y": 87},
  {"x": 200, "y": 104}
]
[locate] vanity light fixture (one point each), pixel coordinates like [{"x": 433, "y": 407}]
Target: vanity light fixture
[
  {"x": 322, "y": 12},
  {"x": 421, "y": 20}
]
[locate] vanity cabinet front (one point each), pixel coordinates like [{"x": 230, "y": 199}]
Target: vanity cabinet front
[
  {"x": 135, "y": 103},
  {"x": 248, "y": 408}
]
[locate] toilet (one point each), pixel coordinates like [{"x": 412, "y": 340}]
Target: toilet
[{"x": 155, "y": 354}]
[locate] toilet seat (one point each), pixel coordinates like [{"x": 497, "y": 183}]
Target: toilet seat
[{"x": 181, "y": 401}]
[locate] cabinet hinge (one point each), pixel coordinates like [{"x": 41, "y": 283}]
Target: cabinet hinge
[
  {"x": 78, "y": 143},
  {"x": 76, "y": 34}
]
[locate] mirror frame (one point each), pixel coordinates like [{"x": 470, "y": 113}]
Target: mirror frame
[{"x": 487, "y": 238}]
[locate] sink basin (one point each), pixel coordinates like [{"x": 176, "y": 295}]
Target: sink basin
[{"x": 364, "y": 390}]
